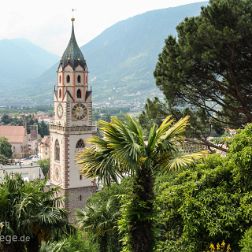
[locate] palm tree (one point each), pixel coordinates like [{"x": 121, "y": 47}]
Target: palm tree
[
  {"x": 124, "y": 150},
  {"x": 100, "y": 220},
  {"x": 31, "y": 211}
]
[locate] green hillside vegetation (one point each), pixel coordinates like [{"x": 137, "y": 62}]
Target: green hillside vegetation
[
  {"x": 21, "y": 61},
  {"x": 122, "y": 59}
]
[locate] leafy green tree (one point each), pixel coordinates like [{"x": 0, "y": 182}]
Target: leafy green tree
[
  {"x": 241, "y": 159},
  {"x": 154, "y": 112},
  {"x": 29, "y": 209},
  {"x": 101, "y": 214},
  {"x": 5, "y": 147},
  {"x": 3, "y": 159},
  {"x": 246, "y": 242},
  {"x": 45, "y": 165},
  {"x": 208, "y": 203},
  {"x": 5, "y": 119},
  {"x": 43, "y": 129},
  {"x": 208, "y": 65},
  {"x": 123, "y": 149}
]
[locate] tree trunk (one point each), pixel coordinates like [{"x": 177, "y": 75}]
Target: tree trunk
[
  {"x": 33, "y": 245},
  {"x": 141, "y": 211},
  {"x": 103, "y": 243}
]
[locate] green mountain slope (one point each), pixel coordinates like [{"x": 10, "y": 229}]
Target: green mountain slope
[
  {"x": 121, "y": 60},
  {"x": 123, "y": 57},
  {"x": 20, "y": 61}
]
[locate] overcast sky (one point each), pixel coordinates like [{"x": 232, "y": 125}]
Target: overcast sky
[{"x": 47, "y": 22}]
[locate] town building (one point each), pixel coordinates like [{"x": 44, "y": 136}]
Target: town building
[
  {"x": 44, "y": 148},
  {"x": 71, "y": 127},
  {"x": 17, "y": 137},
  {"x": 28, "y": 172}
]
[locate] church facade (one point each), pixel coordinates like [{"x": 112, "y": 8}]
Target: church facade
[{"x": 71, "y": 127}]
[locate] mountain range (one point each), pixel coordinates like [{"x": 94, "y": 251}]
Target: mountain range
[{"x": 121, "y": 61}]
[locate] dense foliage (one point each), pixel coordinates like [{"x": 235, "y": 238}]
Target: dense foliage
[
  {"x": 101, "y": 215},
  {"x": 204, "y": 208},
  {"x": 123, "y": 149},
  {"x": 209, "y": 203},
  {"x": 28, "y": 210},
  {"x": 44, "y": 165},
  {"x": 76, "y": 242},
  {"x": 5, "y": 149}
]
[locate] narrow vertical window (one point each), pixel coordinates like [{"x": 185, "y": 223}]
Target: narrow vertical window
[
  {"x": 57, "y": 151},
  {"x": 60, "y": 93},
  {"x": 80, "y": 198},
  {"x": 60, "y": 79},
  {"x": 68, "y": 78},
  {"x": 78, "y": 93},
  {"x": 79, "y": 79}
]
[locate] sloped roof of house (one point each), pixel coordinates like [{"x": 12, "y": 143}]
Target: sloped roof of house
[{"x": 14, "y": 134}]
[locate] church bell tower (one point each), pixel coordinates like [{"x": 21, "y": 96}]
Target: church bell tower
[{"x": 71, "y": 127}]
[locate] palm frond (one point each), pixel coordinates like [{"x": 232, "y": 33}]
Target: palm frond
[
  {"x": 99, "y": 163},
  {"x": 152, "y": 139},
  {"x": 181, "y": 160},
  {"x": 114, "y": 154},
  {"x": 165, "y": 125}
]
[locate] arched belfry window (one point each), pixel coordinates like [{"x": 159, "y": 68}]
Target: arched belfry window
[
  {"x": 57, "y": 150},
  {"x": 68, "y": 78},
  {"x": 79, "y": 79},
  {"x": 78, "y": 93},
  {"x": 80, "y": 144}
]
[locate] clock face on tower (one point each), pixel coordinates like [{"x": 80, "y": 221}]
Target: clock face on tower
[
  {"x": 59, "y": 110},
  {"x": 79, "y": 111}
]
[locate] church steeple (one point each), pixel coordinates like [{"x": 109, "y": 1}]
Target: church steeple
[
  {"x": 71, "y": 127},
  {"x": 73, "y": 55}
]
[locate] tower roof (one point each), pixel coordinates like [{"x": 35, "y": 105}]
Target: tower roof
[{"x": 73, "y": 55}]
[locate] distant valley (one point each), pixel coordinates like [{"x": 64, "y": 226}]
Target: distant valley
[{"x": 121, "y": 61}]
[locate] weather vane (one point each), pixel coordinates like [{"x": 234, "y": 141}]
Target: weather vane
[{"x": 73, "y": 10}]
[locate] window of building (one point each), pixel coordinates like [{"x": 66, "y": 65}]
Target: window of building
[
  {"x": 79, "y": 79},
  {"x": 57, "y": 151},
  {"x": 80, "y": 198},
  {"x": 80, "y": 144},
  {"x": 80, "y": 177},
  {"x": 60, "y": 79},
  {"x": 78, "y": 93},
  {"x": 68, "y": 78},
  {"x": 60, "y": 93}
]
